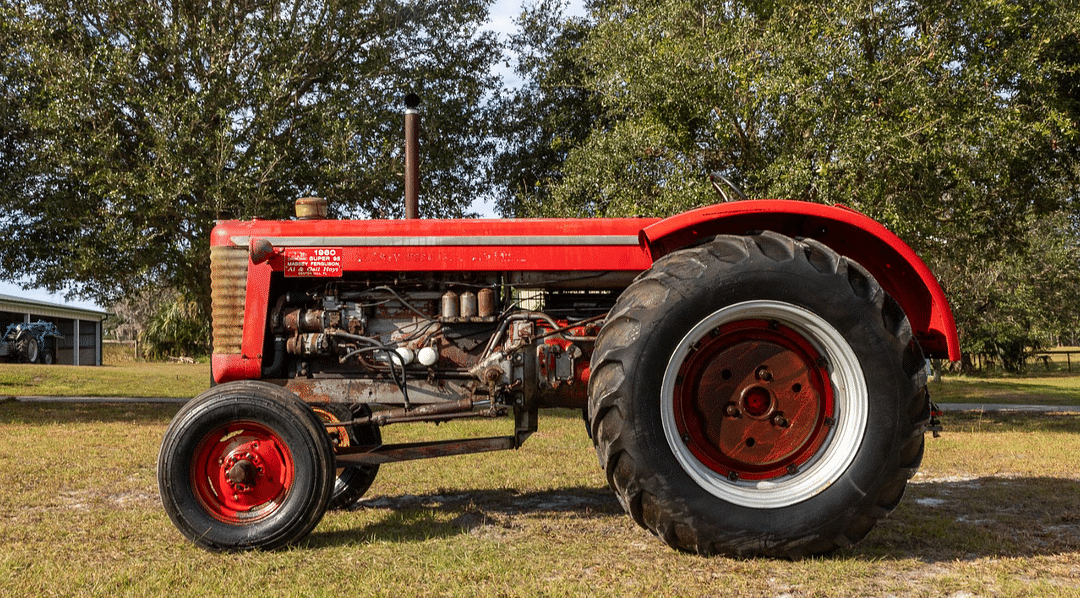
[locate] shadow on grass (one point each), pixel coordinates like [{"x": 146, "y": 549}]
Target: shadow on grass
[
  {"x": 987, "y": 517},
  {"x": 1010, "y": 421},
  {"x": 938, "y": 521},
  {"x": 415, "y": 518},
  {"x": 15, "y": 412}
]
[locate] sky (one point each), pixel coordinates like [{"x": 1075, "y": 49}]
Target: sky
[{"x": 503, "y": 13}]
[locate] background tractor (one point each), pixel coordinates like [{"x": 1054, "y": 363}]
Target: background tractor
[{"x": 33, "y": 342}]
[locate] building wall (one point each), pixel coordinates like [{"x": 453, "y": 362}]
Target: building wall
[{"x": 87, "y": 343}]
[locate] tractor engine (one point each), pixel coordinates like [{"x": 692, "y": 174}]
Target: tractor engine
[{"x": 480, "y": 341}]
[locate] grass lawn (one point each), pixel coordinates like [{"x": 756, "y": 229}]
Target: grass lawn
[
  {"x": 130, "y": 379},
  {"x": 995, "y": 511},
  {"x": 1054, "y": 389},
  {"x": 180, "y": 380}
]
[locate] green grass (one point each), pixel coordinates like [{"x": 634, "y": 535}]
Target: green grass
[
  {"x": 995, "y": 511},
  {"x": 1056, "y": 389},
  {"x": 131, "y": 379},
  {"x": 122, "y": 377}
]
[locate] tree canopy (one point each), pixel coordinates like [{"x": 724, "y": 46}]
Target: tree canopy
[
  {"x": 954, "y": 123},
  {"x": 128, "y": 126}
]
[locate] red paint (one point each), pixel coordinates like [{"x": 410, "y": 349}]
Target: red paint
[
  {"x": 561, "y": 245},
  {"x": 752, "y": 400},
  {"x": 889, "y": 260},
  {"x": 264, "y": 472}
]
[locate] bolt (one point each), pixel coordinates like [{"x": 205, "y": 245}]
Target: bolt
[
  {"x": 792, "y": 469},
  {"x": 731, "y": 410},
  {"x": 830, "y": 421},
  {"x": 733, "y": 476},
  {"x": 763, "y": 374},
  {"x": 779, "y": 420},
  {"x": 686, "y": 438}
]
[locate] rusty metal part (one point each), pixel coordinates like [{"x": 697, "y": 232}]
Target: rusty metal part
[
  {"x": 412, "y": 157},
  {"x": 388, "y": 453},
  {"x": 228, "y": 292},
  {"x": 485, "y": 303},
  {"x": 311, "y": 208},
  {"x": 429, "y": 412},
  {"x": 778, "y": 400},
  {"x": 385, "y": 392},
  {"x": 451, "y": 307},
  {"x": 469, "y": 308},
  {"x": 310, "y": 320},
  {"x": 309, "y": 344}
]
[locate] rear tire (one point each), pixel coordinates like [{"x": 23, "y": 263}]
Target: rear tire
[
  {"x": 758, "y": 396},
  {"x": 245, "y": 465},
  {"x": 353, "y": 481},
  {"x": 27, "y": 348}
]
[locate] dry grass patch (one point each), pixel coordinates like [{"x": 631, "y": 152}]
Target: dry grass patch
[{"x": 994, "y": 512}]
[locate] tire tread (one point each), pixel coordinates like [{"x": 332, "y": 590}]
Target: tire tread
[{"x": 608, "y": 391}]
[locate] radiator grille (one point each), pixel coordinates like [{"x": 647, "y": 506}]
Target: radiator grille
[{"x": 228, "y": 289}]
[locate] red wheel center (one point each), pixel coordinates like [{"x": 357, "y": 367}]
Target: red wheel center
[
  {"x": 757, "y": 401},
  {"x": 753, "y": 400},
  {"x": 241, "y": 472}
]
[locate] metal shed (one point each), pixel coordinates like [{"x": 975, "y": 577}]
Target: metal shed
[{"x": 80, "y": 327}]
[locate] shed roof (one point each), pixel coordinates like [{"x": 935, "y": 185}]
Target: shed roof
[{"x": 53, "y": 310}]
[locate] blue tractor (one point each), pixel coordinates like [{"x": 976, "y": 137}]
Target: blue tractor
[{"x": 30, "y": 342}]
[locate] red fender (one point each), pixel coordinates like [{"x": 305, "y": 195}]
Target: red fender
[{"x": 854, "y": 235}]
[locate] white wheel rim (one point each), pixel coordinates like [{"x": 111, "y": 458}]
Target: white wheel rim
[{"x": 837, "y": 452}]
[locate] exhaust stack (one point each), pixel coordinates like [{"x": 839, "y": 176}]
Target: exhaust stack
[{"x": 412, "y": 157}]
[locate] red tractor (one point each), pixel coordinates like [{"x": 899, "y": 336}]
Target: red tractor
[{"x": 751, "y": 373}]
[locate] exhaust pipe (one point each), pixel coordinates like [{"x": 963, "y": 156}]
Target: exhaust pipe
[{"x": 412, "y": 157}]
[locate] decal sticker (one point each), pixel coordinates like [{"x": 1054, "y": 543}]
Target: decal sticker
[{"x": 313, "y": 261}]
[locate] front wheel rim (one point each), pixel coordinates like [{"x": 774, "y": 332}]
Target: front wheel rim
[
  {"x": 738, "y": 436},
  {"x": 242, "y": 472}
]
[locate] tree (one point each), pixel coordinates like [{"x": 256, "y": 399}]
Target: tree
[
  {"x": 128, "y": 126},
  {"x": 549, "y": 114},
  {"x": 953, "y": 123},
  {"x": 1028, "y": 298}
]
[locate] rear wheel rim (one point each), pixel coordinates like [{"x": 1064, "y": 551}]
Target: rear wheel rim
[
  {"x": 763, "y": 404},
  {"x": 242, "y": 472}
]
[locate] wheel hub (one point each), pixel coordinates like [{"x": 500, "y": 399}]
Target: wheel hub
[
  {"x": 242, "y": 472},
  {"x": 752, "y": 400}
]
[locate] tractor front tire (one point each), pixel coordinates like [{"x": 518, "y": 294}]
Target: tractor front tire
[
  {"x": 757, "y": 396},
  {"x": 245, "y": 465}
]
